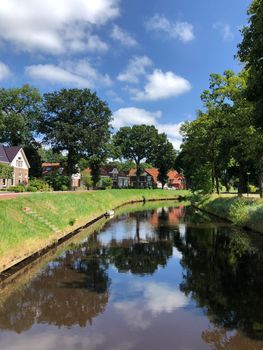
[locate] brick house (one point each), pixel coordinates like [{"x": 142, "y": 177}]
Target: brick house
[
  {"x": 149, "y": 178},
  {"x": 16, "y": 158}
]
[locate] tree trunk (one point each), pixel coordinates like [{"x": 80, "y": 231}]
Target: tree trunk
[
  {"x": 137, "y": 175},
  {"x": 217, "y": 185},
  {"x": 137, "y": 228},
  {"x": 260, "y": 179},
  {"x": 213, "y": 179},
  {"x": 241, "y": 182},
  {"x": 70, "y": 167}
]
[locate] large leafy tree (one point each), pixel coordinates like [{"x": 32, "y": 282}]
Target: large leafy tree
[
  {"x": 223, "y": 135},
  {"x": 19, "y": 114},
  {"x": 20, "y": 110},
  {"x": 77, "y": 122},
  {"x": 251, "y": 53},
  {"x": 136, "y": 143}
]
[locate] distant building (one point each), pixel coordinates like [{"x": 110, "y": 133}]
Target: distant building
[
  {"x": 16, "y": 158},
  {"x": 49, "y": 169},
  {"x": 149, "y": 178},
  {"x": 119, "y": 178}
]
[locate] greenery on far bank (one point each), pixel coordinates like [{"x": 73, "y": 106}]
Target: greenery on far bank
[
  {"x": 242, "y": 211},
  {"x": 223, "y": 146},
  {"x": 21, "y": 233}
]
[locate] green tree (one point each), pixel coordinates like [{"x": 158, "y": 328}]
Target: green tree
[
  {"x": 50, "y": 156},
  {"x": 87, "y": 181},
  {"x": 164, "y": 157},
  {"x": 223, "y": 135},
  {"x": 20, "y": 109},
  {"x": 6, "y": 171},
  {"x": 76, "y": 121},
  {"x": 136, "y": 143},
  {"x": 250, "y": 52}
]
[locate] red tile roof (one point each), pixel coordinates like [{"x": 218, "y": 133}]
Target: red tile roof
[
  {"x": 50, "y": 164},
  {"x": 173, "y": 175}
]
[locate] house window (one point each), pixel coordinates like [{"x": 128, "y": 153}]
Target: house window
[
  {"x": 19, "y": 163},
  {"x": 4, "y": 182}
]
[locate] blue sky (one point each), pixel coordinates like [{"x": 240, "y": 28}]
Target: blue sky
[{"x": 149, "y": 59}]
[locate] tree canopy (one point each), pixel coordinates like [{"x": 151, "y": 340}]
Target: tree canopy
[{"x": 77, "y": 122}]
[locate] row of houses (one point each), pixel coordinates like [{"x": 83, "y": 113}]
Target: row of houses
[
  {"x": 15, "y": 157},
  {"x": 148, "y": 178}
]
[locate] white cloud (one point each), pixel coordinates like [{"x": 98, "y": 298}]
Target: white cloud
[
  {"x": 43, "y": 340},
  {"x": 224, "y": 30},
  {"x": 136, "y": 68},
  {"x": 179, "y": 30},
  {"x": 80, "y": 74},
  {"x": 156, "y": 298},
  {"x": 55, "y": 26},
  {"x": 123, "y": 37},
  {"x": 131, "y": 115},
  {"x": 161, "y": 85},
  {"x": 4, "y": 71}
]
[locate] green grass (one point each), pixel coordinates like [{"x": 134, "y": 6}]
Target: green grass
[
  {"x": 245, "y": 212},
  {"x": 21, "y": 234}
]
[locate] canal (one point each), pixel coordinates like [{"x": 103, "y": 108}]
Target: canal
[{"x": 161, "y": 276}]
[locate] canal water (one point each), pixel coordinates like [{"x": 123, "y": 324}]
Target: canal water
[{"x": 165, "y": 277}]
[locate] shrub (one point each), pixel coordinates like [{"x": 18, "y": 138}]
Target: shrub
[
  {"x": 72, "y": 221},
  {"x": 106, "y": 182},
  {"x": 87, "y": 181},
  {"x": 19, "y": 188},
  {"x": 40, "y": 185},
  {"x": 32, "y": 189},
  {"x": 58, "y": 182},
  {"x": 252, "y": 189}
]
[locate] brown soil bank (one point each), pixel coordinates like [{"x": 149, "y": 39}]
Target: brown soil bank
[
  {"x": 244, "y": 212},
  {"x": 31, "y": 223}
]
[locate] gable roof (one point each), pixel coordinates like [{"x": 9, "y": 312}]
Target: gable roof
[
  {"x": 7, "y": 154},
  {"x": 3, "y": 156}
]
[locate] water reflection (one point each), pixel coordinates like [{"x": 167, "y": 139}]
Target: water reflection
[
  {"x": 71, "y": 290},
  {"x": 224, "y": 274},
  {"x": 143, "y": 269}
]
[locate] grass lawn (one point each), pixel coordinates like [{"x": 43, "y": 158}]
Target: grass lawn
[
  {"x": 244, "y": 211},
  {"x": 22, "y": 234}
]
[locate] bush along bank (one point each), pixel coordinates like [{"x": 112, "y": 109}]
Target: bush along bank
[
  {"x": 242, "y": 211},
  {"x": 33, "y": 222}
]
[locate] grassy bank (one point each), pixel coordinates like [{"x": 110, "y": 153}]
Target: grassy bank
[
  {"x": 244, "y": 212},
  {"x": 26, "y": 222}
]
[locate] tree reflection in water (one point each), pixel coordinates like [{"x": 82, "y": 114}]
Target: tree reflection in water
[
  {"x": 221, "y": 339},
  {"x": 71, "y": 290},
  {"x": 223, "y": 272},
  {"x": 137, "y": 255},
  {"x": 74, "y": 288}
]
